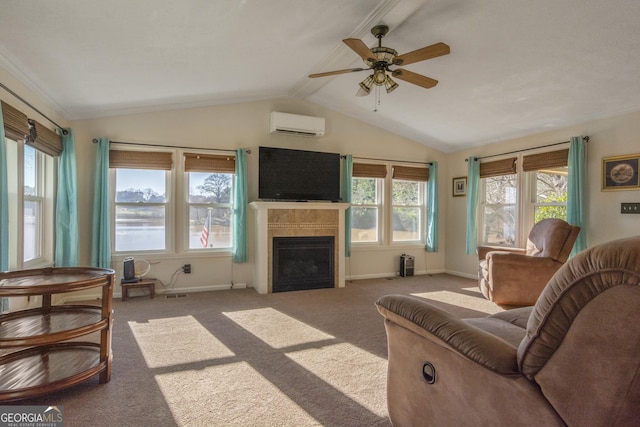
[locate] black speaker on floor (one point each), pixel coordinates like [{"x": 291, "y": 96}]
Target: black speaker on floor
[
  {"x": 129, "y": 271},
  {"x": 407, "y": 263}
]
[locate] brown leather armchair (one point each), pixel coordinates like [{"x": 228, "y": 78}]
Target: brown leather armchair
[
  {"x": 515, "y": 277},
  {"x": 570, "y": 360}
]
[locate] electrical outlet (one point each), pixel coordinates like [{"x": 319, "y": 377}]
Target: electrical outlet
[
  {"x": 630, "y": 208},
  {"x": 186, "y": 268}
]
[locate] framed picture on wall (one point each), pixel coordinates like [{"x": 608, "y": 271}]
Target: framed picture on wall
[
  {"x": 621, "y": 173},
  {"x": 460, "y": 186}
]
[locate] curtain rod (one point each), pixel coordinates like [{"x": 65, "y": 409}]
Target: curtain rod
[
  {"x": 585, "y": 138},
  {"x": 64, "y": 131},
  {"x": 95, "y": 141},
  {"x": 398, "y": 161}
]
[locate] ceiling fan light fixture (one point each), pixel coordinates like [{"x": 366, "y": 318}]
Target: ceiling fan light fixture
[
  {"x": 390, "y": 85},
  {"x": 362, "y": 92},
  {"x": 366, "y": 84},
  {"x": 379, "y": 77}
]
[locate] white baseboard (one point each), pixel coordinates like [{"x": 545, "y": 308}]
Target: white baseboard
[
  {"x": 383, "y": 275},
  {"x": 161, "y": 291}
]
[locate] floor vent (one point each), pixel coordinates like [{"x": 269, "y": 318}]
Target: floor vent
[{"x": 176, "y": 296}]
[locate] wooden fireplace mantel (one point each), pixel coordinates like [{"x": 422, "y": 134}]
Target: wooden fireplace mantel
[{"x": 278, "y": 219}]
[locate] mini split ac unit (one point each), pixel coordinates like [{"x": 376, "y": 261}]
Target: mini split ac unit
[{"x": 295, "y": 124}]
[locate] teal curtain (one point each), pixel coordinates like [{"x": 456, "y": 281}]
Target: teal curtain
[
  {"x": 4, "y": 210},
  {"x": 67, "y": 235},
  {"x": 101, "y": 243},
  {"x": 432, "y": 208},
  {"x": 473, "y": 186},
  {"x": 240, "y": 243},
  {"x": 576, "y": 193},
  {"x": 347, "y": 178}
]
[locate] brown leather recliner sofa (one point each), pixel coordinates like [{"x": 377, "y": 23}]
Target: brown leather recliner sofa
[
  {"x": 514, "y": 276},
  {"x": 572, "y": 359}
]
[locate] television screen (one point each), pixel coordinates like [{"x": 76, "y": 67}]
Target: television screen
[{"x": 298, "y": 175}]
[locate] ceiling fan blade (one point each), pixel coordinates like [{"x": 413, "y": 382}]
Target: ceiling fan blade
[
  {"x": 428, "y": 52},
  {"x": 416, "y": 79},
  {"x": 333, "y": 73},
  {"x": 360, "y": 48}
]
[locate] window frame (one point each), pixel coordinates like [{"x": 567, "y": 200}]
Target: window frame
[
  {"x": 169, "y": 205},
  {"x": 422, "y": 209},
  {"x": 46, "y": 178},
  {"x": 378, "y": 205},
  {"x": 482, "y": 212},
  {"x": 532, "y": 177},
  {"x": 526, "y": 197},
  {"x": 212, "y": 205},
  {"x": 177, "y": 206},
  {"x": 386, "y": 208},
  {"x": 38, "y": 199}
]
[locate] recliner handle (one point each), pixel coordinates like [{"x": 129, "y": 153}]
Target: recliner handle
[{"x": 429, "y": 372}]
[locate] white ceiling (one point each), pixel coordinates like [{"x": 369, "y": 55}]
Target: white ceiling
[{"x": 516, "y": 67}]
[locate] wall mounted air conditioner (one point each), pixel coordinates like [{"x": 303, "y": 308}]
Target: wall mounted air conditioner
[{"x": 295, "y": 124}]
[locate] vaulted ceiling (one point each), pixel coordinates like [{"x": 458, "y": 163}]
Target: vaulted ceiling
[{"x": 516, "y": 67}]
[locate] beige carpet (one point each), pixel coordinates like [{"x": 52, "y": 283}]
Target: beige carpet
[{"x": 237, "y": 358}]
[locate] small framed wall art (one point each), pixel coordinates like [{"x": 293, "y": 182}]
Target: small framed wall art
[
  {"x": 621, "y": 173},
  {"x": 460, "y": 186}
]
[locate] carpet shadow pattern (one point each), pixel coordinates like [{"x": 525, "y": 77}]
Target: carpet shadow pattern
[{"x": 235, "y": 357}]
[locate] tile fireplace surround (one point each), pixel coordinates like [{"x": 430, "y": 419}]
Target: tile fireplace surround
[{"x": 296, "y": 219}]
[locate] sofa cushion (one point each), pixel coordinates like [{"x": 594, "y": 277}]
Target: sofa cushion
[{"x": 508, "y": 325}]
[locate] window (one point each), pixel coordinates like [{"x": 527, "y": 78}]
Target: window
[
  {"x": 367, "y": 193},
  {"x": 211, "y": 182},
  {"x": 549, "y": 193},
  {"x": 408, "y": 208},
  {"x": 140, "y": 210},
  {"x": 142, "y": 202},
  {"x": 366, "y": 205},
  {"x": 499, "y": 210},
  {"x": 388, "y": 209},
  {"x": 30, "y": 182},
  {"x": 499, "y": 202},
  {"x": 210, "y": 209},
  {"x": 31, "y": 177},
  {"x": 33, "y": 202},
  {"x": 408, "y": 203},
  {"x": 542, "y": 179},
  {"x": 548, "y": 174}
]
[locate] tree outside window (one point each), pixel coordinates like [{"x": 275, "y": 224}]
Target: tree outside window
[{"x": 550, "y": 194}]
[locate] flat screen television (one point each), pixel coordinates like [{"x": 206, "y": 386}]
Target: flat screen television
[{"x": 298, "y": 175}]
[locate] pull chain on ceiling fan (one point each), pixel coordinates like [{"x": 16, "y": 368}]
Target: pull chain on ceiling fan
[{"x": 380, "y": 58}]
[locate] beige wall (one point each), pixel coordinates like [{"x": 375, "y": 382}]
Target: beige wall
[
  {"x": 246, "y": 125},
  {"x": 608, "y": 137}
]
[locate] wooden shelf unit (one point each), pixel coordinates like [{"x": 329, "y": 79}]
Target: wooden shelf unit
[{"x": 42, "y": 349}]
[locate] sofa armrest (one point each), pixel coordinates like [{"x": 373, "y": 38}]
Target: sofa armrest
[
  {"x": 513, "y": 267},
  {"x": 445, "y": 329},
  {"x": 484, "y": 250}
]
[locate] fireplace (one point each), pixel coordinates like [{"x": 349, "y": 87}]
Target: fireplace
[
  {"x": 301, "y": 263},
  {"x": 309, "y": 224}
]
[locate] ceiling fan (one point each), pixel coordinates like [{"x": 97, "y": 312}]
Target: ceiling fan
[{"x": 380, "y": 58}]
